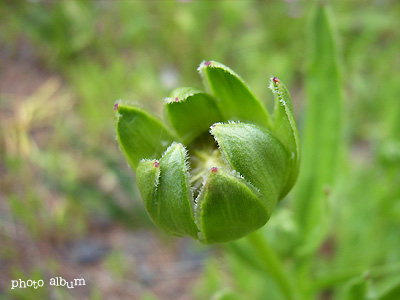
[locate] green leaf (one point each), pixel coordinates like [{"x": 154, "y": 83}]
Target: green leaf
[
  {"x": 356, "y": 289},
  {"x": 235, "y": 101},
  {"x": 166, "y": 193},
  {"x": 228, "y": 208},
  {"x": 140, "y": 135},
  {"x": 191, "y": 112},
  {"x": 322, "y": 134},
  {"x": 285, "y": 128},
  {"x": 392, "y": 292},
  {"x": 257, "y": 155}
]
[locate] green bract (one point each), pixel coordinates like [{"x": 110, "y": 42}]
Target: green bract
[{"x": 217, "y": 184}]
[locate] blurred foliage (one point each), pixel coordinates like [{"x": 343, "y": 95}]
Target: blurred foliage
[{"x": 61, "y": 170}]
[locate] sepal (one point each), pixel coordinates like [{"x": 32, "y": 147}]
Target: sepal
[
  {"x": 235, "y": 100},
  {"x": 165, "y": 190},
  {"x": 190, "y": 112},
  {"x": 228, "y": 208},
  {"x": 140, "y": 135}
]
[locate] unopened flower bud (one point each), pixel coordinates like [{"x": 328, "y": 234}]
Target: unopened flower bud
[{"x": 217, "y": 166}]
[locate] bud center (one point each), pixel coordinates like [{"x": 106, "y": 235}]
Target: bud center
[{"x": 202, "y": 162}]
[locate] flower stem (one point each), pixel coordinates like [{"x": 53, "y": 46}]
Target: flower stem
[{"x": 272, "y": 264}]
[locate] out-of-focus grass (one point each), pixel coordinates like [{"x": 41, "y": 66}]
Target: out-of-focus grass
[{"x": 60, "y": 165}]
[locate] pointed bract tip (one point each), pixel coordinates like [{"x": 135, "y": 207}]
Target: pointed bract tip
[
  {"x": 156, "y": 164},
  {"x": 214, "y": 169},
  {"x": 275, "y": 79},
  {"x": 116, "y": 105}
]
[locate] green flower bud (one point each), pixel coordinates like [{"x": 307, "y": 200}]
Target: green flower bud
[{"x": 237, "y": 162}]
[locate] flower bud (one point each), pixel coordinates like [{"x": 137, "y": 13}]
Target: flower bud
[{"x": 237, "y": 162}]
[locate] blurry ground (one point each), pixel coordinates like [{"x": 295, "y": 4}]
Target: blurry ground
[{"x": 115, "y": 263}]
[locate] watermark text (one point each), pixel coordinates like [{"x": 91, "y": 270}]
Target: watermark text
[{"x": 54, "y": 281}]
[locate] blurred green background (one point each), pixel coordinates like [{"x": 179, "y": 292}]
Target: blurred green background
[{"x": 69, "y": 205}]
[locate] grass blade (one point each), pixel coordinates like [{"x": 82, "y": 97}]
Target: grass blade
[{"x": 322, "y": 132}]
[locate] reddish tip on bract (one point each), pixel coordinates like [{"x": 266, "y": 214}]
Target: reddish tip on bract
[
  {"x": 207, "y": 63},
  {"x": 176, "y": 99},
  {"x": 275, "y": 79},
  {"x": 156, "y": 164},
  {"x": 214, "y": 169},
  {"x": 116, "y": 106}
]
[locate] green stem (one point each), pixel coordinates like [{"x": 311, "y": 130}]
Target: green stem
[{"x": 272, "y": 264}]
